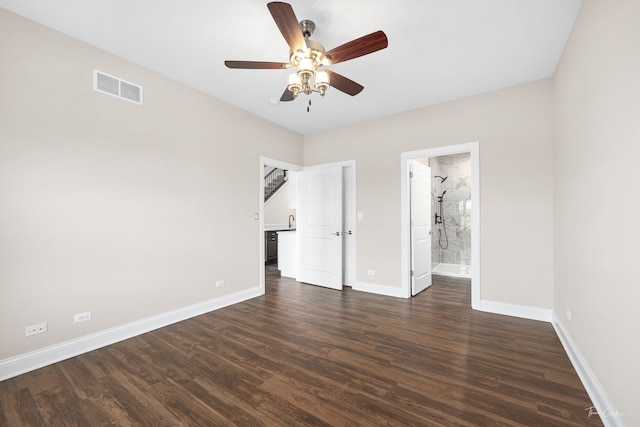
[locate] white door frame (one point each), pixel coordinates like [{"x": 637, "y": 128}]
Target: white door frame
[
  {"x": 473, "y": 148},
  {"x": 350, "y": 192},
  {"x": 349, "y": 206}
]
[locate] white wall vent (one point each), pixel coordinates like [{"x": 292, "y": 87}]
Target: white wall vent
[{"x": 114, "y": 86}]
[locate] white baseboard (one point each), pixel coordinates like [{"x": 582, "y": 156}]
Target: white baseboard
[
  {"x": 389, "y": 291},
  {"x": 23, "y": 363},
  {"x": 523, "y": 311},
  {"x": 604, "y": 407}
]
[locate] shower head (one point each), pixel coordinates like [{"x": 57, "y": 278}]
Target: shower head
[{"x": 442, "y": 178}]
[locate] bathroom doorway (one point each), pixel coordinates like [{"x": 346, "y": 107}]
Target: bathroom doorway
[
  {"x": 452, "y": 212},
  {"x": 455, "y": 216}
]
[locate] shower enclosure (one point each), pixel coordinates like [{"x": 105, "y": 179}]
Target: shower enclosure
[{"x": 451, "y": 215}]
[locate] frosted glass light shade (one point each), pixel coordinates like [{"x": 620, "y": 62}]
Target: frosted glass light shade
[{"x": 322, "y": 78}]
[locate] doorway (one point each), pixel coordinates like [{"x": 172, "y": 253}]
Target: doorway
[
  {"x": 452, "y": 209},
  {"x": 346, "y": 223},
  {"x": 407, "y": 160}
]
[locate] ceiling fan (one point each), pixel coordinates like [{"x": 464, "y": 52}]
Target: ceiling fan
[{"x": 307, "y": 57}]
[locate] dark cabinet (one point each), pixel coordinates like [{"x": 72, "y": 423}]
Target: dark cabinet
[{"x": 270, "y": 247}]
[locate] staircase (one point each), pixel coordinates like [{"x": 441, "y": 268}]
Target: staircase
[{"x": 273, "y": 181}]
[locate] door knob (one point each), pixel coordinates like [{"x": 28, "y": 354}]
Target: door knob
[{"x": 337, "y": 233}]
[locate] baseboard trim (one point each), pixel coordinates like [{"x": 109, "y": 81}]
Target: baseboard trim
[
  {"x": 23, "y": 363},
  {"x": 523, "y": 311},
  {"x": 389, "y": 291},
  {"x": 603, "y": 405}
]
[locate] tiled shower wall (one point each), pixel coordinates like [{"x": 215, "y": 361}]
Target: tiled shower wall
[{"x": 456, "y": 208}]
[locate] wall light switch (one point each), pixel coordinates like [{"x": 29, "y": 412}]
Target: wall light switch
[
  {"x": 82, "y": 317},
  {"x": 359, "y": 216}
]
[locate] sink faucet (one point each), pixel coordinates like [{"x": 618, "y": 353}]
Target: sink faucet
[{"x": 291, "y": 220}]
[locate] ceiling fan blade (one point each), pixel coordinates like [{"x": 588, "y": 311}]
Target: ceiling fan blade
[
  {"x": 344, "y": 84},
  {"x": 288, "y": 24},
  {"x": 358, "y": 47},
  {"x": 257, "y": 65},
  {"x": 287, "y": 96}
]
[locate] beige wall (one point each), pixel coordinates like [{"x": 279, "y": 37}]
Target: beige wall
[
  {"x": 514, "y": 128},
  {"x": 597, "y": 88},
  {"x": 115, "y": 208}
]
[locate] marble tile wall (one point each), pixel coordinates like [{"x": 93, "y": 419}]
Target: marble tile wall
[{"x": 451, "y": 244}]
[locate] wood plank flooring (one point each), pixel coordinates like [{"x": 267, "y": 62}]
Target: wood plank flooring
[{"x": 307, "y": 356}]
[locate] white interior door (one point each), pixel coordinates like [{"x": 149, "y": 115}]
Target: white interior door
[
  {"x": 420, "y": 227},
  {"x": 349, "y": 222},
  {"x": 320, "y": 226}
]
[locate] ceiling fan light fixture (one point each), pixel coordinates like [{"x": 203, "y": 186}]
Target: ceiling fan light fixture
[
  {"x": 297, "y": 56},
  {"x": 307, "y": 56},
  {"x": 322, "y": 82},
  {"x": 306, "y": 69},
  {"x": 295, "y": 84}
]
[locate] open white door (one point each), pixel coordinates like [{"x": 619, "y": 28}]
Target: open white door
[
  {"x": 320, "y": 226},
  {"x": 420, "y": 183}
]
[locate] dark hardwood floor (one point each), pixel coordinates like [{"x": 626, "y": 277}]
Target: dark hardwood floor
[{"x": 307, "y": 356}]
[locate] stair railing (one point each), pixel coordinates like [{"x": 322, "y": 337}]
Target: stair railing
[{"x": 273, "y": 181}]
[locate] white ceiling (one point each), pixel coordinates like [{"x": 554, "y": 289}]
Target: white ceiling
[{"x": 439, "y": 50}]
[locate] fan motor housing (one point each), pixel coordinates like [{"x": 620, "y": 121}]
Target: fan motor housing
[{"x": 307, "y": 27}]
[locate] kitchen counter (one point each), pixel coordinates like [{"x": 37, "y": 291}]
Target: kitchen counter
[
  {"x": 288, "y": 253},
  {"x": 278, "y": 227}
]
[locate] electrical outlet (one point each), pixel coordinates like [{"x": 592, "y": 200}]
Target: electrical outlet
[
  {"x": 82, "y": 317},
  {"x": 219, "y": 283},
  {"x": 371, "y": 272},
  {"x": 36, "y": 329}
]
